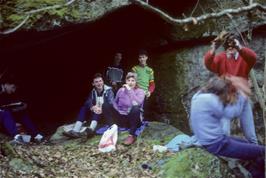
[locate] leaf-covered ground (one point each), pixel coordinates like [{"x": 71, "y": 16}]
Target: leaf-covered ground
[{"x": 83, "y": 160}]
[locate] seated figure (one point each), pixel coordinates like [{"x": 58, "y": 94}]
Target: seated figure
[
  {"x": 13, "y": 111},
  {"x": 127, "y": 106},
  {"x": 220, "y": 98},
  {"x": 98, "y": 105}
]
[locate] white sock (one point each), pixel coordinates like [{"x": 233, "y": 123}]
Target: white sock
[
  {"x": 77, "y": 126},
  {"x": 93, "y": 125}
]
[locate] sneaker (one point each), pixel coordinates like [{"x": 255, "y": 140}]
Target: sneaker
[
  {"x": 18, "y": 141},
  {"x": 90, "y": 133},
  {"x": 130, "y": 140},
  {"x": 72, "y": 134}
]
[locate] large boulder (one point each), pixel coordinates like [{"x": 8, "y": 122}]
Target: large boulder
[{"x": 47, "y": 15}]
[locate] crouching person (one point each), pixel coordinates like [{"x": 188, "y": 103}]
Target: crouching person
[
  {"x": 127, "y": 104},
  {"x": 12, "y": 111},
  {"x": 97, "y": 106},
  {"x": 217, "y": 99}
]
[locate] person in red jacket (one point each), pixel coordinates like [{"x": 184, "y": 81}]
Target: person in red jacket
[{"x": 235, "y": 61}]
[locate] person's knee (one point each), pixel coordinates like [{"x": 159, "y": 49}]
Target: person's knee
[{"x": 106, "y": 107}]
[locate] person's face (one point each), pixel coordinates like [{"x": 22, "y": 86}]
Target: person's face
[
  {"x": 231, "y": 47},
  {"x": 98, "y": 83},
  {"x": 10, "y": 88},
  {"x": 118, "y": 58},
  {"x": 131, "y": 82},
  {"x": 143, "y": 59}
]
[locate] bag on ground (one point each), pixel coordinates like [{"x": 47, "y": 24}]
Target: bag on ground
[{"x": 109, "y": 139}]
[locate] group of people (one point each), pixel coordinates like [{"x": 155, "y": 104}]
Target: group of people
[
  {"x": 117, "y": 103},
  {"x": 225, "y": 97}
]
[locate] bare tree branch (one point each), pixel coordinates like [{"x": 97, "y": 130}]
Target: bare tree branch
[
  {"x": 16, "y": 28},
  {"x": 33, "y": 12},
  {"x": 194, "y": 8},
  {"x": 162, "y": 14},
  {"x": 172, "y": 20}
]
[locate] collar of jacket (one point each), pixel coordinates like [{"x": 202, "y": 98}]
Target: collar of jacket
[
  {"x": 105, "y": 88},
  {"x": 228, "y": 55}
]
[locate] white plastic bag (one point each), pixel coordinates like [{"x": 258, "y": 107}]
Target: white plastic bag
[{"x": 109, "y": 139}]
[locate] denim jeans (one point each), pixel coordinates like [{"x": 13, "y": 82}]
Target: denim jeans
[
  {"x": 240, "y": 149},
  {"x": 85, "y": 113},
  {"x": 131, "y": 121},
  {"x": 8, "y": 120},
  {"x": 242, "y": 110}
]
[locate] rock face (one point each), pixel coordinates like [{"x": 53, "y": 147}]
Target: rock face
[
  {"x": 181, "y": 73},
  {"x": 81, "y": 158},
  {"x": 47, "y": 15}
]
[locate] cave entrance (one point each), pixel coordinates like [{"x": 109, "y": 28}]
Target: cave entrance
[{"x": 54, "y": 68}]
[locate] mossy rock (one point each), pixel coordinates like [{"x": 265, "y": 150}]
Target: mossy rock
[
  {"x": 195, "y": 162},
  {"x": 19, "y": 164}
]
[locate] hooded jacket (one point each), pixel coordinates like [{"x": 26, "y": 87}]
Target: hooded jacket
[{"x": 108, "y": 96}]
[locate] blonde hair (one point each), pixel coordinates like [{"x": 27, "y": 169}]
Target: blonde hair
[{"x": 131, "y": 75}]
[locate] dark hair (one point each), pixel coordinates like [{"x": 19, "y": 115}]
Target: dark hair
[
  {"x": 229, "y": 40},
  {"x": 221, "y": 87},
  {"x": 97, "y": 75},
  {"x": 143, "y": 52}
]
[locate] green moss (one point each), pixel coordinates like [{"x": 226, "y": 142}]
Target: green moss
[
  {"x": 193, "y": 162},
  {"x": 20, "y": 165},
  {"x": 170, "y": 72},
  {"x": 58, "y": 12},
  {"x": 15, "y": 17},
  {"x": 33, "y": 4}
]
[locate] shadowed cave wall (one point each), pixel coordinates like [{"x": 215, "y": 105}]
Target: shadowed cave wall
[{"x": 53, "y": 69}]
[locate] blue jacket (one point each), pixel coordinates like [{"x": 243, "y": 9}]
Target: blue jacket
[
  {"x": 206, "y": 113},
  {"x": 108, "y": 96}
]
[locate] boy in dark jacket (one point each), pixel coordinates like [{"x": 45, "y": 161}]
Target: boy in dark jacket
[{"x": 98, "y": 104}]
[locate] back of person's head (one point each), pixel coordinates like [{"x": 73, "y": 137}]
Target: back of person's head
[
  {"x": 131, "y": 75},
  {"x": 221, "y": 87}
]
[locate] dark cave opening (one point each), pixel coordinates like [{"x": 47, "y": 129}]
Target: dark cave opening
[{"x": 54, "y": 68}]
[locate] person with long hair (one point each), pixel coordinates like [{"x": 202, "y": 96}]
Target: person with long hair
[
  {"x": 208, "y": 106},
  {"x": 235, "y": 61},
  {"x": 127, "y": 106}
]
